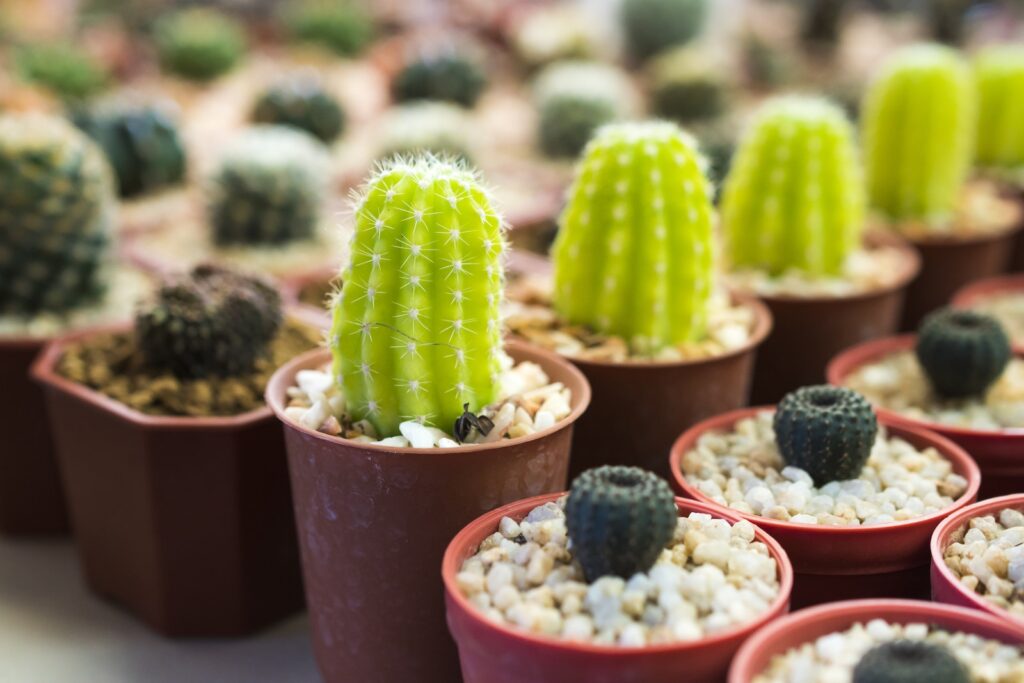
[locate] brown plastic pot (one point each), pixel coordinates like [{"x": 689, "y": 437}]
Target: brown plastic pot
[
  {"x": 185, "y": 522},
  {"x": 374, "y": 522},
  {"x": 496, "y": 653}
]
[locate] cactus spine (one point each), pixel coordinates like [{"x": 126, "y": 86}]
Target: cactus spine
[
  {"x": 416, "y": 330},
  {"x": 634, "y": 255},
  {"x": 794, "y": 199},
  {"x": 999, "y": 75}
]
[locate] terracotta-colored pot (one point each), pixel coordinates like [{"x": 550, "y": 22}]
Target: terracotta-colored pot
[
  {"x": 837, "y": 563},
  {"x": 975, "y": 293},
  {"x": 495, "y": 653},
  {"x": 31, "y": 499},
  {"x": 374, "y": 521},
  {"x": 807, "y": 625},
  {"x": 186, "y": 522},
  {"x": 946, "y": 587},
  {"x": 822, "y": 326},
  {"x": 999, "y": 453}
]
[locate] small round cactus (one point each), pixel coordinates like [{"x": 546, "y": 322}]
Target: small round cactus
[
  {"x": 440, "y": 128},
  {"x": 962, "y": 352},
  {"x": 826, "y": 431},
  {"x": 909, "y": 661},
  {"x": 794, "y": 198},
  {"x": 554, "y": 33},
  {"x": 301, "y": 103},
  {"x": 999, "y": 75},
  {"x": 198, "y": 43},
  {"x": 652, "y": 26},
  {"x": 342, "y": 27},
  {"x": 445, "y": 75},
  {"x": 619, "y": 520},
  {"x": 66, "y": 70},
  {"x": 687, "y": 87}
]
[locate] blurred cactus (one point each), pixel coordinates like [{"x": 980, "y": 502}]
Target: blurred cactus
[
  {"x": 66, "y": 70},
  {"x": 552, "y": 33},
  {"x": 301, "y": 103},
  {"x": 999, "y": 75},
  {"x": 447, "y": 76},
  {"x": 821, "y": 23},
  {"x": 687, "y": 87},
  {"x": 652, "y": 26},
  {"x": 198, "y": 43},
  {"x": 438, "y": 127},
  {"x": 343, "y": 27}
]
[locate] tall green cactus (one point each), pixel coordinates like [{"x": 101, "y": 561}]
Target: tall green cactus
[
  {"x": 918, "y": 133},
  {"x": 634, "y": 255},
  {"x": 416, "y": 330},
  {"x": 795, "y": 199},
  {"x": 999, "y": 75}
]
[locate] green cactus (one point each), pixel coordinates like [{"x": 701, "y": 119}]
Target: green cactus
[
  {"x": 619, "y": 520},
  {"x": 999, "y": 75},
  {"x": 342, "y": 27},
  {"x": 441, "y": 128},
  {"x": 909, "y": 661},
  {"x": 198, "y": 43},
  {"x": 66, "y": 70},
  {"x": 56, "y": 203},
  {"x": 634, "y": 253},
  {"x": 947, "y": 19},
  {"x": 794, "y": 199},
  {"x": 918, "y": 123},
  {"x": 446, "y": 75},
  {"x": 962, "y": 352},
  {"x": 416, "y": 332},
  {"x": 826, "y": 431},
  {"x": 652, "y": 26},
  {"x": 301, "y": 103},
  {"x": 269, "y": 188},
  {"x": 686, "y": 86},
  {"x": 567, "y": 124}
]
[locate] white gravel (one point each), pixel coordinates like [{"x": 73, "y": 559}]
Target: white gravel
[
  {"x": 1007, "y": 308},
  {"x": 988, "y": 556},
  {"x": 865, "y": 270}
]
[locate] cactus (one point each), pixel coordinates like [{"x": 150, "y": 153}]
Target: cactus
[
  {"x": 269, "y": 188},
  {"x": 962, "y": 352},
  {"x": 915, "y": 170},
  {"x": 56, "y": 203},
  {"x": 343, "y": 27},
  {"x": 301, "y": 103},
  {"x": 947, "y": 19},
  {"x": 447, "y": 76},
  {"x": 821, "y": 23},
  {"x": 212, "y": 322},
  {"x": 794, "y": 199},
  {"x": 568, "y": 123},
  {"x": 553, "y": 33},
  {"x": 416, "y": 332},
  {"x": 66, "y": 70},
  {"x": 909, "y": 661},
  {"x": 999, "y": 75},
  {"x": 687, "y": 87},
  {"x": 619, "y": 520},
  {"x": 826, "y": 431},
  {"x": 198, "y": 43},
  {"x": 437, "y": 127},
  {"x": 633, "y": 256},
  {"x": 652, "y": 26}
]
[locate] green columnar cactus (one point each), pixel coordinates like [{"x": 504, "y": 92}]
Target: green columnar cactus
[
  {"x": 56, "y": 201},
  {"x": 962, "y": 352},
  {"x": 652, "y": 26},
  {"x": 794, "y": 199},
  {"x": 910, "y": 661},
  {"x": 301, "y": 103},
  {"x": 633, "y": 257},
  {"x": 416, "y": 332},
  {"x": 198, "y": 43},
  {"x": 447, "y": 76},
  {"x": 918, "y": 132},
  {"x": 999, "y": 75},
  {"x": 66, "y": 70},
  {"x": 686, "y": 86},
  {"x": 342, "y": 27}
]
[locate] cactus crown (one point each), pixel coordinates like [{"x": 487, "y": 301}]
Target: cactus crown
[
  {"x": 198, "y": 43},
  {"x": 445, "y": 75},
  {"x": 909, "y": 661},
  {"x": 651, "y": 26},
  {"x": 619, "y": 520},
  {"x": 915, "y": 172},
  {"x": 962, "y": 352},
  {"x": 999, "y": 75},
  {"x": 66, "y": 70},
  {"x": 416, "y": 332},
  {"x": 634, "y": 254},
  {"x": 794, "y": 199},
  {"x": 342, "y": 27},
  {"x": 301, "y": 103},
  {"x": 686, "y": 86}
]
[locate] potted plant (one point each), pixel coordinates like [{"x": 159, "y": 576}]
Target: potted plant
[
  {"x": 419, "y": 424},
  {"x": 173, "y": 466},
  {"x": 1002, "y": 298},
  {"x": 301, "y": 102},
  {"x": 652, "y": 587},
  {"x": 793, "y": 217},
  {"x": 852, "y": 499}
]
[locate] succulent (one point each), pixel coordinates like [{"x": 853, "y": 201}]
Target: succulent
[
  {"x": 634, "y": 253},
  {"x": 766, "y": 66},
  {"x": 794, "y": 198},
  {"x": 568, "y": 123},
  {"x": 66, "y": 70},
  {"x": 416, "y": 332},
  {"x": 342, "y": 27},
  {"x": 198, "y": 43},
  {"x": 962, "y": 352},
  {"x": 211, "y": 322},
  {"x": 301, "y": 103},
  {"x": 652, "y": 26},
  {"x": 999, "y": 75},
  {"x": 826, "y": 431},
  {"x": 56, "y": 203},
  {"x": 142, "y": 145},
  {"x": 441, "y": 128},
  {"x": 619, "y": 520},
  {"x": 553, "y": 33},
  {"x": 446, "y": 75},
  {"x": 909, "y": 661},
  {"x": 269, "y": 188},
  {"x": 686, "y": 86},
  {"x": 915, "y": 172}
]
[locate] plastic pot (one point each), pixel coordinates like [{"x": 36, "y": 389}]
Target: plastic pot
[
  {"x": 946, "y": 587},
  {"x": 975, "y": 293},
  {"x": 185, "y": 522},
  {"x": 496, "y": 653},
  {"x": 807, "y": 625},
  {"x": 839, "y": 563},
  {"x": 999, "y": 453},
  {"x": 374, "y": 521}
]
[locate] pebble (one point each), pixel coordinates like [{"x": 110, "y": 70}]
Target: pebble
[{"x": 987, "y": 555}]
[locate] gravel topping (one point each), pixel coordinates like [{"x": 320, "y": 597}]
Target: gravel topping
[
  {"x": 981, "y": 210},
  {"x": 866, "y": 270},
  {"x": 1008, "y": 309},
  {"x": 987, "y": 555}
]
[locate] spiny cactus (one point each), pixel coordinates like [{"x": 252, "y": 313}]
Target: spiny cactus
[
  {"x": 66, "y": 70},
  {"x": 633, "y": 256},
  {"x": 56, "y": 202},
  {"x": 962, "y": 352},
  {"x": 212, "y": 322},
  {"x": 441, "y": 128},
  {"x": 416, "y": 332},
  {"x": 910, "y": 661},
  {"x": 198, "y": 43},
  {"x": 686, "y": 86},
  {"x": 826, "y": 431},
  {"x": 269, "y": 188},
  {"x": 301, "y": 103},
  {"x": 999, "y": 75},
  {"x": 619, "y": 520},
  {"x": 918, "y": 129},
  {"x": 794, "y": 199},
  {"x": 445, "y": 75},
  {"x": 342, "y": 27},
  {"x": 652, "y": 26}
]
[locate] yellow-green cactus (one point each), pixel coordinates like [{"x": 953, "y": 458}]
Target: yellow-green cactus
[{"x": 999, "y": 75}]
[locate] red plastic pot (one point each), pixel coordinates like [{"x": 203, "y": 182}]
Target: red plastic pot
[
  {"x": 946, "y": 587},
  {"x": 374, "y": 521},
  {"x": 837, "y": 563},
  {"x": 999, "y": 453},
  {"x": 496, "y": 653},
  {"x": 973, "y": 294},
  {"x": 807, "y": 625}
]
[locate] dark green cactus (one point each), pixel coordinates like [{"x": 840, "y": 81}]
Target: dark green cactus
[
  {"x": 301, "y": 103},
  {"x": 448, "y": 76},
  {"x": 826, "y": 431},
  {"x": 687, "y": 87},
  {"x": 574, "y": 98},
  {"x": 568, "y": 123},
  {"x": 652, "y": 26},
  {"x": 342, "y": 27},
  {"x": 821, "y": 23},
  {"x": 962, "y": 352},
  {"x": 198, "y": 43},
  {"x": 910, "y": 661},
  {"x": 66, "y": 70},
  {"x": 212, "y": 322}
]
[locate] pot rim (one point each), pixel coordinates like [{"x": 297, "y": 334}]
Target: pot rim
[
  {"x": 276, "y": 388},
  {"x": 947, "y": 448},
  {"x": 451, "y": 562},
  {"x": 986, "y": 287}
]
